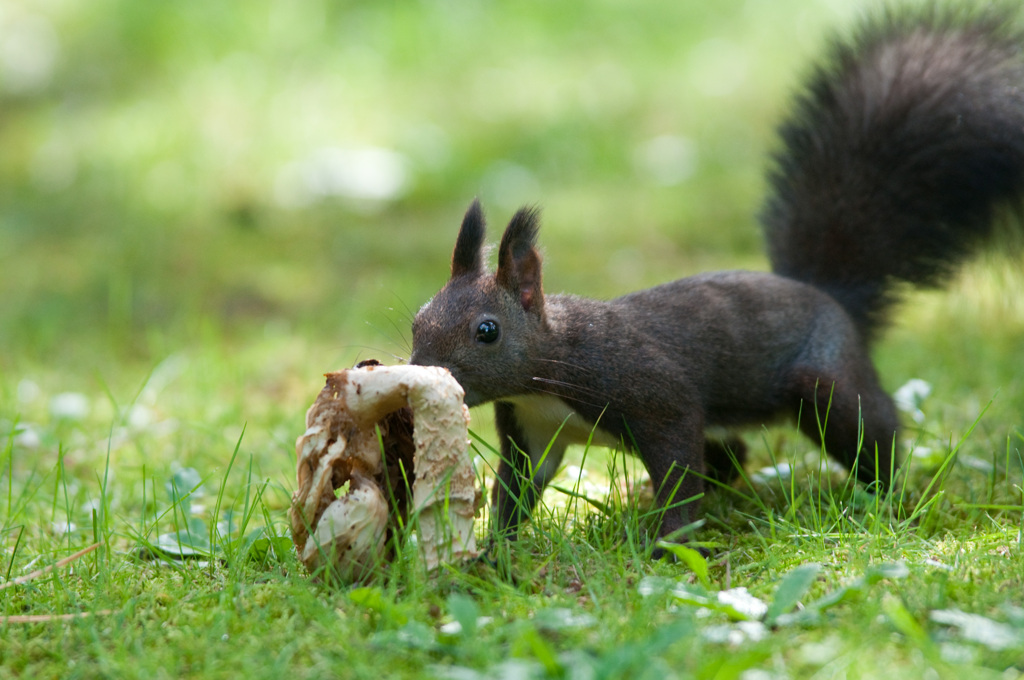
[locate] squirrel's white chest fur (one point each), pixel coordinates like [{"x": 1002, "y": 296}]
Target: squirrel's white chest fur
[{"x": 541, "y": 416}]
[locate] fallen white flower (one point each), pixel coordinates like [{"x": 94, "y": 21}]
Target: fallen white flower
[
  {"x": 977, "y": 628},
  {"x": 70, "y": 406},
  {"x": 909, "y": 397}
]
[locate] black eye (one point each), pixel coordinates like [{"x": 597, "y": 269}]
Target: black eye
[{"x": 487, "y": 332}]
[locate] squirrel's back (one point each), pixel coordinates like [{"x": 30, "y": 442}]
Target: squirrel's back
[{"x": 901, "y": 148}]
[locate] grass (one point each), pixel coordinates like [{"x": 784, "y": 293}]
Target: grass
[{"x": 170, "y": 297}]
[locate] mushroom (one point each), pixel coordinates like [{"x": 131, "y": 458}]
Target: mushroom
[{"x": 374, "y": 435}]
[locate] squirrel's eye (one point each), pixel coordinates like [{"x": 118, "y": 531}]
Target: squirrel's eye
[{"x": 487, "y": 332}]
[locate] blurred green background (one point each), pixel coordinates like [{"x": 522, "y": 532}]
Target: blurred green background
[
  {"x": 167, "y": 167},
  {"x": 206, "y": 205}
]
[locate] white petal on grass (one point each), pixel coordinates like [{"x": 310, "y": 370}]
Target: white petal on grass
[
  {"x": 27, "y": 437},
  {"x": 515, "y": 669},
  {"x": 454, "y": 627},
  {"x": 742, "y": 601},
  {"x": 736, "y": 634},
  {"x": 653, "y": 585},
  {"x": 927, "y": 456},
  {"x": 980, "y": 629},
  {"x": 736, "y": 603},
  {"x": 782, "y": 471},
  {"x": 451, "y": 628},
  {"x": 575, "y": 472},
  {"x": 69, "y": 406},
  {"x": 562, "y": 618},
  {"x": 760, "y": 674},
  {"x": 62, "y": 528},
  {"x": 909, "y": 397}
]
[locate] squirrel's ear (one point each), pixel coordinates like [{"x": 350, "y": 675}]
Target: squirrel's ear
[
  {"x": 467, "y": 258},
  {"x": 519, "y": 261}
]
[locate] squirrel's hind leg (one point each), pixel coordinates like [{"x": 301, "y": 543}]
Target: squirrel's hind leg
[
  {"x": 724, "y": 458},
  {"x": 854, "y": 418}
]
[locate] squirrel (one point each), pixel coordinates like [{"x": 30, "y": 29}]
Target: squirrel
[{"x": 901, "y": 147}]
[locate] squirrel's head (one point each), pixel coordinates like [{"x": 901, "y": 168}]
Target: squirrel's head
[{"x": 481, "y": 325}]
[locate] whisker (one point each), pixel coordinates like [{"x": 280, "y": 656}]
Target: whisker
[
  {"x": 409, "y": 314},
  {"x": 567, "y": 397},
  {"x": 401, "y": 333},
  {"x": 378, "y": 350},
  {"x": 402, "y": 342},
  {"x": 538, "y": 390},
  {"x": 561, "y": 383},
  {"x": 566, "y": 363}
]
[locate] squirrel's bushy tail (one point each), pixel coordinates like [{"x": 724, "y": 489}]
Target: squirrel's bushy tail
[{"x": 899, "y": 153}]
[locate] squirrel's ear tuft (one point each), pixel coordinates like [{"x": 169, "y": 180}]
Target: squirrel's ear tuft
[
  {"x": 468, "y": 256},
  {"x": 519, "y": 261}
]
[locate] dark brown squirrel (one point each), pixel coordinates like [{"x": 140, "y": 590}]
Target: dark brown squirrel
[{"x": 900, "y": 149}]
